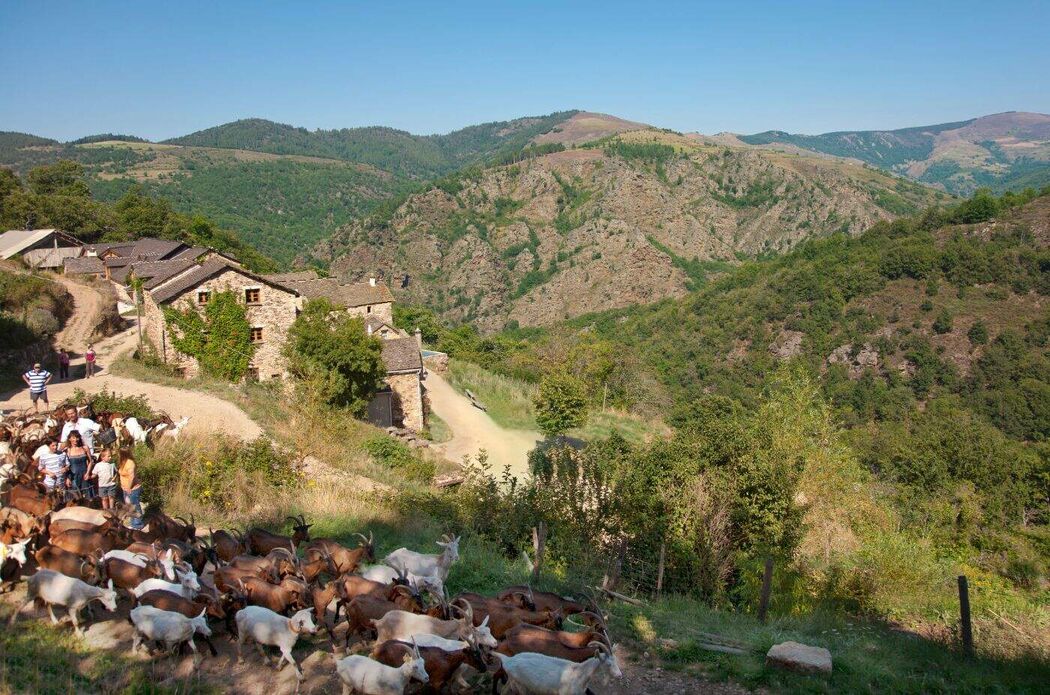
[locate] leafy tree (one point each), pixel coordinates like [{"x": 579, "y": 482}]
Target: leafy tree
[
  {"x": 561, "y": 404},
  {"x": 219, "y": 337},
  {"x": 64, "y": 177},
  {"x": 333, "y": 351}
]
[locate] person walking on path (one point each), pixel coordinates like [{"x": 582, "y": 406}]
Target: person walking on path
[
  {"x": 63, "y": 364},
  {"x": 105, "y": 474},
  {"x": 79, "y": 465},
  {"x": 54, "y": 465},
  {"x": 37, "y": 379},
  {"x": 131, "y": 486},
  {"x": 89, "y": 362}
]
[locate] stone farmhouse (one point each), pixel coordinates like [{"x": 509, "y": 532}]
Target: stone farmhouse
[{"x": 176, "y": 275}]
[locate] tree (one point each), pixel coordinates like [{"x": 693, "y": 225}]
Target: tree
[
  {"x": 331, "y": 351},
  {"x": 561, "y": 404},
  {"x": 219, "y": 337},
  {"x": 64, "y": 177},
  {"x": 943, "y": 322},
  {"x": 978, "y": 333}
]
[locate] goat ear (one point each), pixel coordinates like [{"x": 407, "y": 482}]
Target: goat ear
[{"x": 110, "y": 585}]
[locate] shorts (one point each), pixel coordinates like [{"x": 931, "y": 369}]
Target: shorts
[
  {"x": 38, "y": 394},
  {"x": 108, "y": 491}
]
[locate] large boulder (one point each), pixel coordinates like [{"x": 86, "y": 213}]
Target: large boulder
[{"x": 799, "y": 657}]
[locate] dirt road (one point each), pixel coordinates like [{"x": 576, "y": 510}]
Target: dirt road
[
  {"x": 473, "y": 430},
  {"x": 208, "y": 413}
]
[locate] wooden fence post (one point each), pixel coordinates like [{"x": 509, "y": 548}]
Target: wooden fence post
[
  {"x": 660, "y": 569},
  {"x": 539, "y": 544},
  {"x": 965, "y": 627},
  {"x": 767, "y": 587}
]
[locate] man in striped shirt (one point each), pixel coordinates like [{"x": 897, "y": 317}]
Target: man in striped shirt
[{"x": 37, "y": 379}]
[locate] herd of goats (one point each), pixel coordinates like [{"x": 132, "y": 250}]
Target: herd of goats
[{"x": 270, "y": 590}]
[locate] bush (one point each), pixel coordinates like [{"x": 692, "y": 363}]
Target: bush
[
  {"x": 397, "y": 456},
  {"x": 943, "y": 323},
  {"x": 220, "y": 472},
  {"x": 978, "y": 333},
  {"x": 113, "y": 402}
]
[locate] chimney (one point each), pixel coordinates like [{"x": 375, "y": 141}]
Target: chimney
[
  {"x": 419, "y": 339},
  {"x": 372, "y": 281}
]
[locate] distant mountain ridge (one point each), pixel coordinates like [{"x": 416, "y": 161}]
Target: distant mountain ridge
[
  {"x": 396, "y": 151},
  {"x": 1003, "y": 151}
]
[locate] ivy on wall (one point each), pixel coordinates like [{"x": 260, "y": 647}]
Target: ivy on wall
[{"x": 219, "y": 337}]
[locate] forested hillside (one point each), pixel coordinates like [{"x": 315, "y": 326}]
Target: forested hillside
[
  {"x": 396, "y": 151},
  {"x": 1005, "y": 151},
  {"x": 929, "y": 338},
  {"x": 57, "y": 195},
  {"x": 627, "y": 219}
]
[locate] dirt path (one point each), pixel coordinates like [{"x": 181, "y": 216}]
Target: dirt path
[
  {"x": 208, "y": 413},
  {"x": 473, "y": 430},
  {"x": 87, "y": 305}
]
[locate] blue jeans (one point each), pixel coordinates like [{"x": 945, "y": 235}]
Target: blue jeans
[{"x": 134, "y": 498}]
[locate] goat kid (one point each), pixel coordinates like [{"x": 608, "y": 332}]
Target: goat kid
[{"x": 55, "y": 589}]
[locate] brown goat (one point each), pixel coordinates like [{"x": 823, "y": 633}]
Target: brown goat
[
  {"x": 441, "y": 665},
  {"x": 343, "y": 560},
  {"x": 84, "y": 542},
  {"x": 226, "y": 578},
  {"x": 30, "y": 500},
  {"x": 70, "y": 564},
  {"x": 289, "y": 594},
  {"x": 546, "y": 600},
  {"x": 572, "y": 646},
  {"x": 503, "y": 617},
  {"x": 261, "y": 541},
  {"x": 127, "y": 576},
  {"x": 278, "y": 562},
  {"x": 228, "y": 544},
  {"x": 362, "y": 610},
  {"x": 16, "y": 525}
]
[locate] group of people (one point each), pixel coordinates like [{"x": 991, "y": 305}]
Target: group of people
[
  {"x": 38, "y": 378},
  {"x": 78, "y": 467}
]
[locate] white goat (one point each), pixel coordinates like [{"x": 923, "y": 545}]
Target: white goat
[
  {"x": 164, "y": 429},
  {"x": 166, "y": 560},
  {"x": 360, "y": 674},
  {"x": 426, "y": 565},
  {"x": 449, "y": 645},
  {"x": 402, "y": 625},
  {"x": 529, "y": 673},
  {"x": 56, "y": 589},
  {"x": 263, "y": 626},
  {"x": 85, "y": 515},
  {"x": 420, "y": 582},
  {"x": 168, "y": 627},
  {"x": 188, "y": 586}
]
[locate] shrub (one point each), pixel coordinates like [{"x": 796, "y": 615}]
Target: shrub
[
  {"x": 978, "y": 333},
  {"x": 110, "y": 401},
  {"x": 561, "y": 404},
  {"x": 943, "y": 322},
  {"x": 397, "y": 456}
]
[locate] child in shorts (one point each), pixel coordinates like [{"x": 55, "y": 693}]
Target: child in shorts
[{"x": 105, "y": 472}]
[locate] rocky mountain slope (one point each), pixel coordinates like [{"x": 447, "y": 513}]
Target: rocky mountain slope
[
  {"x": 1006, "y": 151},
  {"x": 630, "y": 219}
]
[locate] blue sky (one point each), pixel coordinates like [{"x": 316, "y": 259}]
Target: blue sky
[{"x": 168, "y": 68}]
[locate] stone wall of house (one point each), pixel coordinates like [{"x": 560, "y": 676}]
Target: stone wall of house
[
  {"x": 408, "y": 400},
  {"x": 384, "y": 311},
  {"x": 274, "y": 313}
]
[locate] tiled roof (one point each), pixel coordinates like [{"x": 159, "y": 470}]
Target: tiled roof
[
  {"x": 401, "y": 355},
  {"x": 156, "y": 272},
  {"x": 85, "y": 265},
  {"x": 119, "y": 274},
  {"x": 149, "y": 249},
  {"x": 340, "y": 295},
  {"x": 117, "y": 261},
  {"x": 175, "y": 286},
  {"x": 191, "y": 254},
  {"x": 121, "y": 248},
  {"x": 295, "y": 276}
]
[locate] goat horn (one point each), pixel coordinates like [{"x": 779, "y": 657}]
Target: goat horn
[
  {"x": 600, "y": 646},
  {"x": 362, "y": 537}
]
